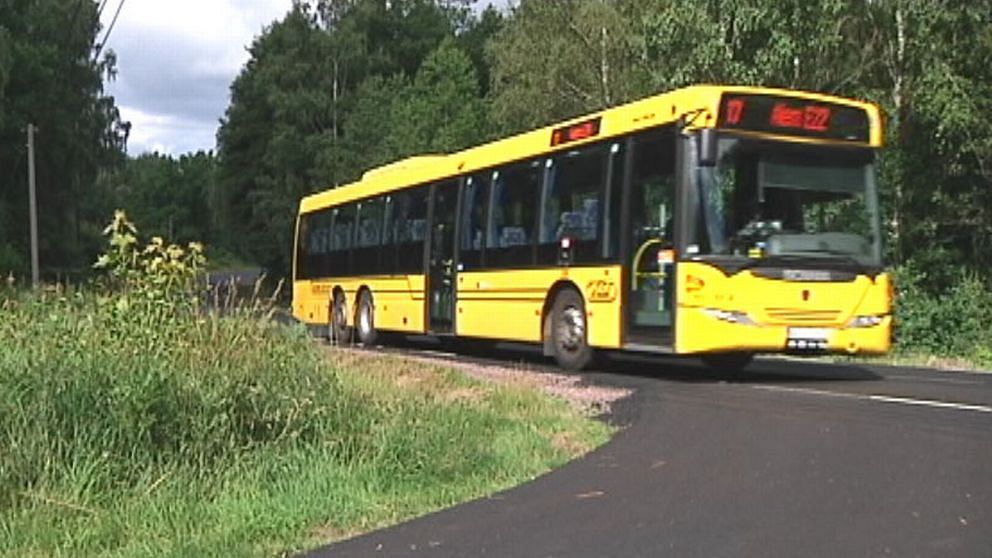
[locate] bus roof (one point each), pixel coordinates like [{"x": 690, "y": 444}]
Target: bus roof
[{"x": 664, "y": 108}]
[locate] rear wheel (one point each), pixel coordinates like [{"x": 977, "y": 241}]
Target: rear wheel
[
  {"x": 340, "y": 333},
  {"x": 568, "y": 331},
  {"x": 731, "y": 364},
  {"x": 365, "y": 321}
]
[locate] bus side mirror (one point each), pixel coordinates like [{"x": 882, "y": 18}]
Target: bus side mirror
[{"x": 707, "y": 147}]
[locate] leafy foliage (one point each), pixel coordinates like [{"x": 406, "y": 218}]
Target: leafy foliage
[
  {"x": 157, "y": 278},
  {"x": 49, "y": 77},
  {"x": 135, "y": 424}
]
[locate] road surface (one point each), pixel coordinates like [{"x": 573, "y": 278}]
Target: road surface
[{"x": 795, "y": 459}]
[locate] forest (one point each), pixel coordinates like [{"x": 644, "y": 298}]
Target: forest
[{"x": 339, "y": 86}]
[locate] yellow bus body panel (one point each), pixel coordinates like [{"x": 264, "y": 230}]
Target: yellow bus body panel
[
  {"x": 398, "y": 300},
  {"x": 511, "y": 304},
  {"x": 775, "y": 306}
]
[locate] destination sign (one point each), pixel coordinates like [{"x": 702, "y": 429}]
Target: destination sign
[
  {"x": 580, "y": 131},
  {"x": 794, "y": 117}
]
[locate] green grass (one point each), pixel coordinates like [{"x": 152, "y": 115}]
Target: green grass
[{"x": 185, "y": 435}]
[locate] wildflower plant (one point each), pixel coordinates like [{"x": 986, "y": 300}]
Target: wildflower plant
[{"x": 159, "y": 277}]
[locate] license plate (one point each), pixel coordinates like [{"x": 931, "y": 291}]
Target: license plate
[{"x": 809, "y": 333}]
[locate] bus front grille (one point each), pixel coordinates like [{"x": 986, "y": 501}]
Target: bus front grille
[{"x": 802, "y": 316}]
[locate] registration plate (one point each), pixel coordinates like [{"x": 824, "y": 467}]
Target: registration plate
[{"x": 809, "y": 333}]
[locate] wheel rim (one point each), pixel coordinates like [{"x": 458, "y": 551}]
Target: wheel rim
[
  {"x": 571, "y": 329},
  {"x": 339, "y": 318},
  {"x": 365, "y": 319}
]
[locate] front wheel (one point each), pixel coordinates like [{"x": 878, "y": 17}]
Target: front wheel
[
  {"x": 568, "y": 331},
  {"x": 367, "y": 333}
]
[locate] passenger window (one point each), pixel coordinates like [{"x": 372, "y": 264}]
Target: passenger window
[
  {"x": 475, "y": 198},
  {"x": 409, "y": 226},
  {"x": 573, "y": 204},
  {"x": 368, "y": 235},
  {"x": 339, "y": 263},
  {"x": 513, "y": 215}
]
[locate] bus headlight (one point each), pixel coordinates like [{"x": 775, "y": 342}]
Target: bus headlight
[
  {"x": 864, "y": 321},
  {"x": 732, "y": 316}
]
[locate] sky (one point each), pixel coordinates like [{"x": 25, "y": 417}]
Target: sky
[{"x": 175, "y": 62}]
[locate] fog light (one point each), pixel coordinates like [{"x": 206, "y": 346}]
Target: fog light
[
  {"x": 731, "y": 316},
  {"x": 864, "y": 321}
]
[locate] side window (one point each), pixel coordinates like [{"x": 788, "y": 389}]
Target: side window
[
  {"x": 304, "y": 264},
  {"x": 573, "y": 204},
  {"x": 614, "y": 201},
  {"x": 409, "y": 227},
  {"x": 445, "y": 210},
  {"x": 652, "y": 206},
  {"x": 513, "y": 215},
  {"x": 475, "y": 198},
  {"x": 318, "y": 243},
  {"x": 339, "y": 263},
  {"x": 368, "y": 236},
  {"x": 387, "y": 258}
]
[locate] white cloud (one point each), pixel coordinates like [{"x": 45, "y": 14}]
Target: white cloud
[
  {"x": 176, "y": 60},
  {"x": 166, "y": 133}
]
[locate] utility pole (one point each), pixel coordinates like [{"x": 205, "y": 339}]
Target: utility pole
[{"x": 33, "y": 209}]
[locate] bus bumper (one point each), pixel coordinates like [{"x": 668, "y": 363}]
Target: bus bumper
[{"x": 706, "y": 331}]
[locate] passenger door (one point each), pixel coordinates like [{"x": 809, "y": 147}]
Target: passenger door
[
  {"x": 441, "y": 258},
  {"x": 650, "y": 285}
]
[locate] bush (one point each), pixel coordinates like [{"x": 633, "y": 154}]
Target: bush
[
  {"x": 951, "y": 321},
  {"x": 133, "y": 423}
]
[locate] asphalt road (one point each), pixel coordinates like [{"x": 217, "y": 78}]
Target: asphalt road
[{"x": 796, "y": 459}]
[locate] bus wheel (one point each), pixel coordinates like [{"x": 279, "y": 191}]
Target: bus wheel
[
  {"x": 729, "y": 364},
  {"x": 365, "y": 320},
  {"x": 340, "y": 333},
  {"x": 568, "y": 331}
]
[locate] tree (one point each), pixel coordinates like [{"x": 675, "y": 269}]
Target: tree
[
  {"x": 560, "y": 58},
  {"x": 49, "y": 77},
  {"x": 312, "y": 108},
  {"x": 442, "y": 111}
]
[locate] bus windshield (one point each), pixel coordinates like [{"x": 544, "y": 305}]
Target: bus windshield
[{"x": 766, "y": 201}]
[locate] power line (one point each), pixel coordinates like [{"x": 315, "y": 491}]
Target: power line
[{"x": 106, "y": 35}]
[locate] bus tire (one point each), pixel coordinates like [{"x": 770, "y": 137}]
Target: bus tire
[
  {"x": 728, "y": 364},
  {"x": 340, "y": 333},
  {"x": 365, "y": 320},
  {"x": 568, "y": 331}
]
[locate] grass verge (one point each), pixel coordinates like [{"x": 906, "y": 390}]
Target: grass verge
[{"x": 125, "y": 433}]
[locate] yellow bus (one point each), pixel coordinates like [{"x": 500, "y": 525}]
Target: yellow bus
[{"x": 714, "y": 221}]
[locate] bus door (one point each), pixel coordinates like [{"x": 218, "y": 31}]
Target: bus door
[
  {"x": 650, "y": 277},
  {"x": 441, "y": 258}
]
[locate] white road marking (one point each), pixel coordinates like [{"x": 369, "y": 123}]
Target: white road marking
[
  {"x": 933, "y": 380},
  {"x": 931, "y": 403},
  {"x": 882, "y": 398}
]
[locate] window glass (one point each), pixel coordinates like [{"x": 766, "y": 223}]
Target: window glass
[
  {"x": 513, "y": 215},
  {"x": 316, "y": 237},
  {"x": 368, "y": 235},
  {"x": 445, "y": 207},
  {"x": 474, "y": 204},
  {"x": 652, "y": 208},
  {"x": 304, "y": 266},
  {"x": 614, "y": 201},
  {"x": 409, "y": 227},
  {"x": 339, "y": 261},
  {"x": 573, "y": 205}
]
